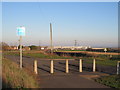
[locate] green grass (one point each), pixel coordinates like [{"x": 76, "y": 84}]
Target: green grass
[
  {"x": 41, "y": 55},
  {"x": 103, "y": 60},
  {"x": 111, "y": 81},
  {"x": 100, "y": 59},
  {"x": 14, "y": 77},
  {"x": 38, "y": 55}
]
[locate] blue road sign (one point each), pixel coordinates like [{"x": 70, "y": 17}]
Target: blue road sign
[{"x": 21, "y": 31}]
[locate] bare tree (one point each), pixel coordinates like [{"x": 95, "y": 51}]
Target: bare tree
[{"x": 4, "y": 46}]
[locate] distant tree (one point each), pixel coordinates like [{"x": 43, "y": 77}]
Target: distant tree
[
  {"x": 33, "y": 47},
  {"x": 4, "y": 46},
  {"x": 0, "y": 45}
]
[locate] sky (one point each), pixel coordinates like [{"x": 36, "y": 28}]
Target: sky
[
  {"x": 60, "y": 0},
  {"x": 90, "y": 23},
  {"x": 0, "y": 22}
]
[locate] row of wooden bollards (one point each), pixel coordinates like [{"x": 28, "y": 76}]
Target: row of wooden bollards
[{"x": 67, "y": 66}]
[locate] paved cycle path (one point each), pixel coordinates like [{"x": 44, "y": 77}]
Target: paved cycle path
[{"x": 59, "y": 79}]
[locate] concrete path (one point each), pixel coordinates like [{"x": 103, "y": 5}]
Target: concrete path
[{"x": 59, "y": 79}]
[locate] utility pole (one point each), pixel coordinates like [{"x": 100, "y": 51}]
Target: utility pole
[
  {"x": 75, "y": 46},
  {"x": 39, "y": 44},
  {"x": 51, "y": 38},
  {"x": 75, "y": 42}
]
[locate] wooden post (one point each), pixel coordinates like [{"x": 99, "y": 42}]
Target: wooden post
[
  {"x": 51, "y": 42},
  {"x": 94, "y": 67},
  {"x": 51, "y": 66},
  {"x": 35, "y": 66},
  {"x": 67, "y": 68},
  {"x": 118, "y": 67},
  {"x": 80, "y": 65}
]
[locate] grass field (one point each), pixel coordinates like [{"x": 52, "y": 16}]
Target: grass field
[
  {"x": 37, "y": 54},
  {"x": 100, "y": 59},
  {"x": 14, "y": 77}
]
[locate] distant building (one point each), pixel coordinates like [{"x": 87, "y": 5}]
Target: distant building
[
  {"x": 26, "y": 48},
  {"x": 70, "y": 47},
  {"x": 43, "y": 47},
  {"x": 13, "y": 47}
]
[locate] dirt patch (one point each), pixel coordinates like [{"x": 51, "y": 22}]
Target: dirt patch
[{"x": 91, "y": 77}]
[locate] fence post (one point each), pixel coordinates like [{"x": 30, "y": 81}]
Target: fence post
[
  {"x": 67, "y": 68},
  {"x": 35, "y": 66},
  {"x": 80, "y": 65},
  {"x": 51, "y": 66},
  {"x": 94, "y": 67},
  {"x": 118, "y": 67}
]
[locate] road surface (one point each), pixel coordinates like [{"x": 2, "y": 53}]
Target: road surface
[{"x": 59, "y": 79}]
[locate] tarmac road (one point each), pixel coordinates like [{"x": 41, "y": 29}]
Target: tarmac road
[{"x": 59, "y": 79}]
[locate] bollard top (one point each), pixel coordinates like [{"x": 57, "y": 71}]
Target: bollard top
[{"x": 35, "y": 60}]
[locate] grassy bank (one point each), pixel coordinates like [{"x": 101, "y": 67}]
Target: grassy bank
[
  {"x": 14, "y": 77},
  {"x": 111, "y": 81}
]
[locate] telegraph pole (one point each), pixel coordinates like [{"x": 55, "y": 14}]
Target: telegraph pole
[
  {"x": 51, "y": 38},
  {"x": 75, "y": 45},
  {"x": 39, "y": 44}
]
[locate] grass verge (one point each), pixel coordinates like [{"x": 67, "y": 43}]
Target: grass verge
[
  {"x": 14, "y": 77},
  {"x": 111, "y": 81}
]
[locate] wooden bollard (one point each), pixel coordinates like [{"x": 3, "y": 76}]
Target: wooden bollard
[
  {"x": 51, "y": 66},
  {"x": 80, "y": 65},
  {"x": 118, "y": 67},
  {"x": 67, "y": 67},
  {"x": 94, "y": 66},
  {"x": 35, "y": 66}
]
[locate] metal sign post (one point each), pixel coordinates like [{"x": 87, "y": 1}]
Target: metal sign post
[
  {"x": 21, "y": 32},
  {"x": 20, "y": 51}
]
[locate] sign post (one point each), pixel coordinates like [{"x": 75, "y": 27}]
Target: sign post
[
  {"x": 21, "y": 32},
  {"x": 20, "y": 51}
]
